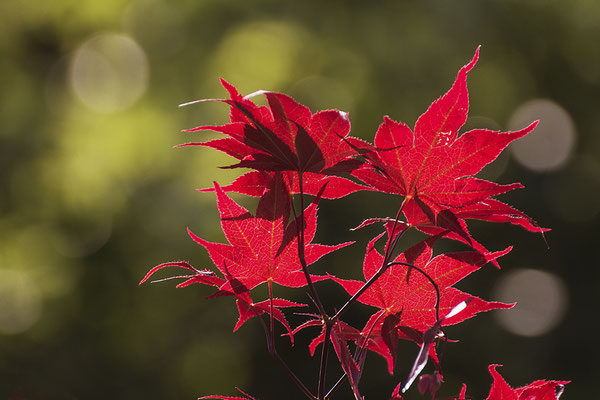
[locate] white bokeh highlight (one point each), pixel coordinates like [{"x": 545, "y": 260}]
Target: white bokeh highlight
[
  {"x": 109, "y": 72},
  {"x": 541, "y": 299},
  {"x": 551, "y": 143}
]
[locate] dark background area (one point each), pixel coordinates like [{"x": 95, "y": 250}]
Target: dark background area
[{"x": 92, "y": 194}]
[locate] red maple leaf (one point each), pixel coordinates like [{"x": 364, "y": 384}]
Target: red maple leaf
[
  {"x": 538, "y": 390},
  {"x": 451, "y": 222},
  {"x": 286, "y": 136},
  {"x": 264, "y": 248},
  {"x": 205, "y": 276},
  {"x": 433, "y": 167},
  {"x": 352, "y": 366},
  {"x": 245, "y": 397},
  {"x": 249, "y": 309},
  {"x": 229, "y": 287},
  {"x": 401, "y": 291}
]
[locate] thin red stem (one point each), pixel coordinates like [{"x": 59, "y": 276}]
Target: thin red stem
[
  {"x": 271, "y": 313},
  {"x": 324, "y": 356},
  {"x": 300, "y": 226},
  {"x": 430, "y": 279},
  {"x": 301, "y": 249},
  {"x": 392, "y": 242}
]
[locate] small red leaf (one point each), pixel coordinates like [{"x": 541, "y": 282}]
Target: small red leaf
[
  {"x": 246, "y": 397},
  {"x": 538, "y": 390},
  {"x": 198, "y": 276},
  {"x": 352, "y": 369}
]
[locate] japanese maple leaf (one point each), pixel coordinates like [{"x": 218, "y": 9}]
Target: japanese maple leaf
[
  {"x": 490, "y": 210},
  {"x": 451, "y": 222},
  {"x": 264, "y": 248},
  {"x": 286, "y": 136},
  {"x": 206, "y": 276},
  {"x": 433, "y": 166},
  {"x": 538, "y": 390},
  {"x": 249, "y": 309},
  {"x": 229, "y": 287},
  {"x": 401, "y": 290}
]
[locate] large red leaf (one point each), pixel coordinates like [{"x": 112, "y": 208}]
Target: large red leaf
[
  {"x": 401, "y": 289},
  {"x": 433, "y": 165},
  {"x": 404, "y": 292},
  {"x": 286, "y": 136},
  {"x": 264, "y": 248}
]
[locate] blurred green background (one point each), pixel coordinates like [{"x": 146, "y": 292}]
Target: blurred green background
[{"x": 92, "y": 194}]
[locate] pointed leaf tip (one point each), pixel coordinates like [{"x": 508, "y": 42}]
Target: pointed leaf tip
[
  {"x": 533, "y": 125},
  {"x": 233, "y": 93},
  {"x": 475, "y": 56},
  {"x": 226, "y": 84}
]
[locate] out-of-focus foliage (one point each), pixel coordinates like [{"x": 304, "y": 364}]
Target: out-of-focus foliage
[{"x": 92, "y": 194}]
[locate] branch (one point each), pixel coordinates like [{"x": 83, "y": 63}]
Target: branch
[{"x": 301, "y": 249}]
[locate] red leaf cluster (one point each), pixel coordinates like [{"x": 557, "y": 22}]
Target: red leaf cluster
[{"x": 292, "y": 153}]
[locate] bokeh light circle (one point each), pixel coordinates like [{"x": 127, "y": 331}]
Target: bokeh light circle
[
  {"x": 551, "y": 143},
  {"x": 259, "y": 55},
  {"x": 323, "y": 93},
  {"x": 109, "y": 72},
  {"x": 20, "y": 303},
  {"x": 541, "y": 299}
]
